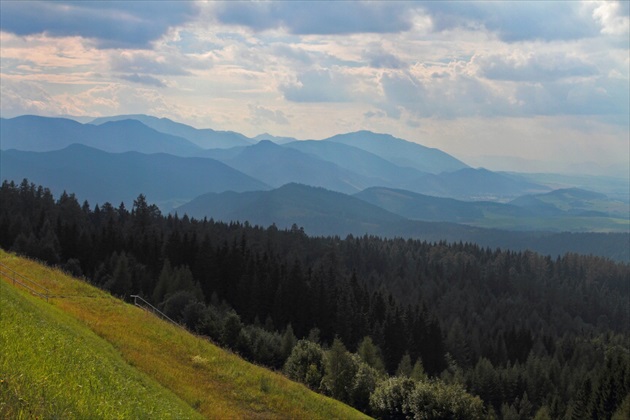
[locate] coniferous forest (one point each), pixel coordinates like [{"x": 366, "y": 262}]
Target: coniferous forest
[{"x": 390, "y": 326}]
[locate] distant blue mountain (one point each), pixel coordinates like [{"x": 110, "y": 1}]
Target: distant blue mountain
[
  {"x": 323, "y": 212},
  {"x": 205, "y": 138},
  {"x": 317, "y": 210},
  {"x": 428, "y": 208},
  {"x": 99, "y": 176},
  {"x": 574, "y": 201},
  {"x": 278, "y": 165},
  {"x": 275, "y": 139},
  {"x": 474, "y": 184},
  {"x": 42, "y": 134},
  {"x": 401, "y": 152},
  {"x": 359, "y": 161}
]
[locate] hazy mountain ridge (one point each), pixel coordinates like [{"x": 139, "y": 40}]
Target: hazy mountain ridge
[
  {"x": 40, "y": 134},
  {"x": 101, "y": 176},
  {"x": 345, "y": 163},
  {"x": 357, "y": 160},
  {"x": 362, "y": 163},
  {"x": 401, "y": 152},
  {"x": 527, "y": 213},
  {"x": 317, "y": 210},
  {"x": 206, "y": 138},
  {"x": 429, "y": 208},
  {"x": 277, "y": 165},
  {"x": 326, "y": 213},
  {"x": 475, "y": 184},
  {"x": 575, "y": 201}
]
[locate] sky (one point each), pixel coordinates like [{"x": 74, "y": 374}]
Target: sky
[{"x": 528, "y": 86}]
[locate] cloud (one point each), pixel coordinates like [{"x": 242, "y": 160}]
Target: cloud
[
  {"x": 26, "y": 97},
  {"x": 533, "y": 66},
  {"x": 378, "y": 57},
  {"x": 19, "y": 98},
  {"x": 455, "y": 94},
  {"x": 260, "y": 115},
  {"x": 111, "y": 24},
  {"x": 613, "y": 17},
  {"x": 318, "y": 86},
  {"x": 292, "y": 53},
  {"x": 317, "y": 17},
  {"x": 516, "y": 21},
  {"x": 143, "y": 62},
  {"x": 598, "y": 96},
  {"x": 142, "y": 79},
  {"x": 373, "y": 114}
]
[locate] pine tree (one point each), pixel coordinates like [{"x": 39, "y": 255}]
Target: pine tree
[
  {"x": 340, "y": 370},
  {"x": 404, "y": 367}
]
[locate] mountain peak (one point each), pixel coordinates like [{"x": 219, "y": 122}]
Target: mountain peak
[
  {"x": 266, "y": 143},
  {"x": 401, "y": 152}
]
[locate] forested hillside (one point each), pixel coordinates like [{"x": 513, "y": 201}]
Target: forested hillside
[{"x": 529, "y": 334}]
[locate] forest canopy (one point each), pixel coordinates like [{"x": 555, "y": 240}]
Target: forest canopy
[{"x": 525, "y": 332}]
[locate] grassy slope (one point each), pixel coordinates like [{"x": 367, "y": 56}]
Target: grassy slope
[
  {"x": 53, "y": 366},
  {"x": 215, "y": 382}
]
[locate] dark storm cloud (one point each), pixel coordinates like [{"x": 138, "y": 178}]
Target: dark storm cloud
[
  {"x": 318, "y": 17},
  {"x": 112, "y": 24}
]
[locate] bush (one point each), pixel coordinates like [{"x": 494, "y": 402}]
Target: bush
[
  {"x": 437, "y": 400},
  {"x": 363, "y": 384},
  {"x": 404, "y": 398},
  {"x": 305, "y": 364},
  {"x": 390, "y": 396}
]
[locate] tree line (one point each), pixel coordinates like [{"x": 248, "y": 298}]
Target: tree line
[{"x": 528, "y": 334}]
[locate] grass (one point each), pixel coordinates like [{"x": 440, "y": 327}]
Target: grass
[
  {"x": 188, "y": 369},
  {"x": 52, "y": 366}
]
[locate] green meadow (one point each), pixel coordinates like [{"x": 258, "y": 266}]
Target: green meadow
[{"x": 87, "y": 354}]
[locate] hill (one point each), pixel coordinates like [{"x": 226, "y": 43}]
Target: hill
[
  {"x": 275, "y": 139},
  {"x": 401, "y": 152},
  {"x": 317, "y": 210},
  {"x": 205, "y": 138},
  {"x": 42, "y": 134},
  {"x": 98, "y": 176},
  {"x": 160, "y": 364},
  {"x": 527, "y": 213},
  {"x": 322, "y": 212},
  {"x": 381, "y": 171},
  {"x": 428, "y": 208},
  {"x": 574, "y": 201},
  {"x": 475, "y": 184},
  {"x": 278, "y": 165},
  {"x": 71, "y": 372}
]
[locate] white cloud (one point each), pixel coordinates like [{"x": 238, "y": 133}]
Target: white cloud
[
  {"x": 260, "y": 115},
  {"x": 613, "y": 17}
]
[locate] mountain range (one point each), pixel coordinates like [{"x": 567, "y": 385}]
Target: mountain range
[
  {"x": 347, "y": 163},
  {"x": 41, "y": 134},
  {"x": 205, "y": 138},
  {"x": 99, "y": 176},
  {"x": 322, "y": 212},
  {"x": 352, "y": 183}
]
